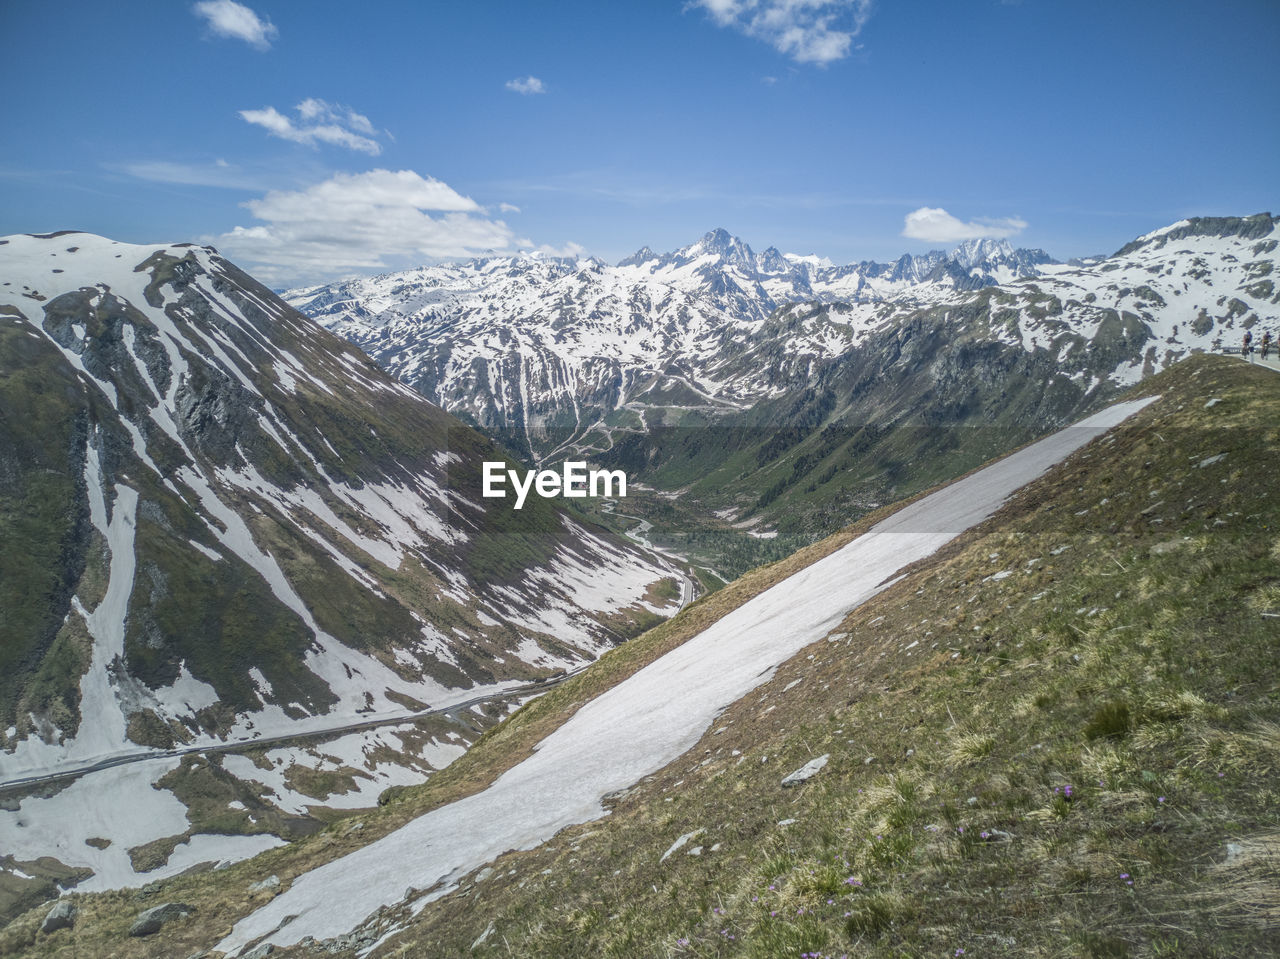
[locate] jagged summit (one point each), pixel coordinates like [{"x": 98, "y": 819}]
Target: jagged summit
[{"x": 971, "y": 252}]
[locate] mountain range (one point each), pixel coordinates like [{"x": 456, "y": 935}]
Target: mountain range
[
  {"x": 770, "y": 390},
  {"x": 250, "y": 584},
  {"x": 223, "y": 524},
  {"x": 554, "y": 350}
]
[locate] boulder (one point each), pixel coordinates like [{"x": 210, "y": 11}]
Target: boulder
[
  {"x": 270, "y": 884},
  {"x": 806, "y": 772},
  {"x": 61, "y": 916},
  {"x": 150, "y": 920}
]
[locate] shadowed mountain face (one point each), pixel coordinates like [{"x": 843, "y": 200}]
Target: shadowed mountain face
[{"x": 220, "y": 520}]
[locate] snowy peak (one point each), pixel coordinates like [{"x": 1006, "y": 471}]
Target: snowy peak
[
  {"x": 727, "y": 248},
  {"x": 972, "y": 253},
  {"x": 639, "y": 257},
  {"x": 714, "y": 326},
  {"x": 1260, "y": 226}
]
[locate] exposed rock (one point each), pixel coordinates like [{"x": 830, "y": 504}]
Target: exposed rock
[
  {"x": 488, "y": 931},
  {"x": 61, "y": 916},
  {"x": 270, "y": 884},
  {"x": 806, "y": 772},
  {"x": 149, "y": 921},
  {"x": 680, "y": 842},
  {"x": 351, "y": 942},
  {"x": 258, "y": 952}
]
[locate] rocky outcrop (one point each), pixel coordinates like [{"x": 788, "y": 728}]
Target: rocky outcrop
[
  {"x": 61, "y": 916},
  {"x": 152, "y": 920}
]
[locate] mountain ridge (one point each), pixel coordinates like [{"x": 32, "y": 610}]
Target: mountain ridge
[{"x": 222, "y": 522}]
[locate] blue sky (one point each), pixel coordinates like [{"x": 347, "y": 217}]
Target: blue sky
[{"x": 312, "y": 139}]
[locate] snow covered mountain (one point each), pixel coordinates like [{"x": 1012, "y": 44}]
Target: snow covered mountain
[
  {"x": 555, "y": 354},
  {"x": 551, "y": 351},
  {"x": 221, "y": 522}
]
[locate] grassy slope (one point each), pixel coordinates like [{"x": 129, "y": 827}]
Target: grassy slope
[{"x": 1133, "y": 666}]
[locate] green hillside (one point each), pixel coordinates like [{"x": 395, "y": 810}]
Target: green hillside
[{"x": 1058, "y": 736}]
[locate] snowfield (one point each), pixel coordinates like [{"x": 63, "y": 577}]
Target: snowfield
[{"x": 651, "y": 718}]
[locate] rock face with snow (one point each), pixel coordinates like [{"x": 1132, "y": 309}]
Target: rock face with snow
[
  {"x": 790, "y": 370},
  {"x": 220, "y": 521},
  {"x": 549, "y": 351},
  {"x": 770, "y": 388}
]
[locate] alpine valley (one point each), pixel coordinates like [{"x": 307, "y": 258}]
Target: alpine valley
[
  {"x": 224, "y": 525},
  {"x": 278, "y": 680},
  {"x": 766, "y": 399}
]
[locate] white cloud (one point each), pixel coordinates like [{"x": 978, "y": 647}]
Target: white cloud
[
  {"x": 360, "y": 222},
  {"x": 936, "y": 225},
  {"x": 508, "y": 208},
  {"x": 526, "y": 85},
  {"x": 808, "y": 31},
  {"x": 318, "y": 122},
  {"x": 226, "y": 18}
]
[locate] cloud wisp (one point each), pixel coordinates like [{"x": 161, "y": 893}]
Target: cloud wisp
[
  {"x": 318, "y": 122},
  {"x": 219, "y": 173},
  {"x": 936, "y": 225},
  {"x": 362, "y": 221},
  {"x": 807, "y": 31},
  {"x": 226, "y": 18},
  {"x": 526, "y": 85}
]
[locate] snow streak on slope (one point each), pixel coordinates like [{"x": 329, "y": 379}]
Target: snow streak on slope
[{"x": 649, "y": 719}]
